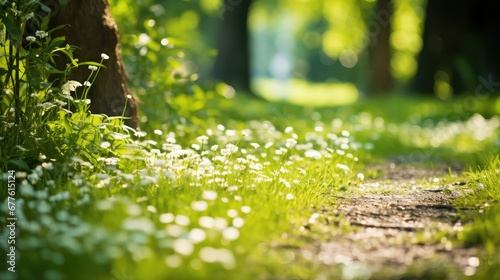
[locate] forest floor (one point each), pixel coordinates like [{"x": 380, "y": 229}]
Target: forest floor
[{"x": 399, "y": 223}]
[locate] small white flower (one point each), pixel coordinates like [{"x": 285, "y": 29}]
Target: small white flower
[
  {"x": 343, "y": 167},
  {"x": 255, "y": 145},
  {"x": 41, "y": 34},
  {"x": 92, "y": 68},
  {"x": 290, "y": 142},
  {"x": 196, "y": 147},
  {"x": 104, "y": 56},
  {"x": 209, "y": 195},
  {"x": 183, "y": 247},
  {"x": 105, "y": 144},
  {"x": 27, "y": 16},
  {"x": 203, "y": 139},
  {"x": 231, "y": 233},
  {"x": 70, "y": 86},
  {"x": 31, "y": 39},
  {"x": 87, "y": 84},
  {"x": 59, "y": 102},
  {"x": 230, "y": 149},
  {"x": 268, "y": 145}
]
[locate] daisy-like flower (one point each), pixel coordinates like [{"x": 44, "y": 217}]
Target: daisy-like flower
[
  {"x": 104, "y": 56},
  {"x": 41, "y": 34},
  {"x": 31, "y": 39},
  {"x": 203, "y": 139},
  {"x": 92, "y": 68},
  {"x": 87, "y": 84},
  {"x": 290, "y": 142},
  {"x": 70, "y": 86}
]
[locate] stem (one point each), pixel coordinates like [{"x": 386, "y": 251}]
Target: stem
[
  {"x": 17, "y": 69},
  {"x": 17, "y": 89},
  {"x": 124, "y": 108}
]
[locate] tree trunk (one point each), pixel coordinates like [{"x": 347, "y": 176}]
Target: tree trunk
[
  {"x": 232, "y": 64},
  {"x": 93, "y": 30},
  {"x": 380, "y": 49},
  {"x": 445, "y": 30}
]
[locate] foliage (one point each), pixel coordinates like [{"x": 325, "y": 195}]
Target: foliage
[
  {"x": 166, "y": 53},
  {"x": 44, "y": 115}
]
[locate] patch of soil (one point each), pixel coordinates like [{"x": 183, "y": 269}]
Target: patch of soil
[{"x": 399, "y": 222}]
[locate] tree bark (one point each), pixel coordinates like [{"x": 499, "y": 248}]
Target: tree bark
[
  {"x": 232, "y": 64},
  {"x": 94, "y": 31},
  {"x": 380, "y": 49},
  {"x": 445, "y": 30}
]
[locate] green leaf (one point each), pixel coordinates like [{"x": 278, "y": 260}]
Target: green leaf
[
  {"x": 19, "y": 164},
  {"x": 45, "y": 8},
  {"x": 3, "y": 71},
  {"x": 56, "y": 42},
  {"x": 91, "y": 63}
]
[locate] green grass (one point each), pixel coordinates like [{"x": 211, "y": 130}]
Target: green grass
[
  {"x": 221, "y": 204},
  {"x": 195, "y": 210},
  {"x": 482, "y": 197}
]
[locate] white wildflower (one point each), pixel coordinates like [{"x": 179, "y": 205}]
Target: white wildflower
[
  {"x": 70, "y": 86},
  {"x": 268, "y": 145},
  {"x": 230, "y": 149},
  {"x": 92, "y": 68},
  {"x": 183, "y": 247},
  {"x": 209, "y": 195},
  {"x": 203, "y": 139},
  {"x": 31, "y": 39},
  {"x": 231, "y": 233},
  {"x": 41, "y": 34},
  {"x": 343, "y": 167},
  {"x": 104, "y": 56},
  {"x": 290, "y": 142}
]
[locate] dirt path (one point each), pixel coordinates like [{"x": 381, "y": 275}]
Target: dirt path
[{"x": 401, "y": 222}]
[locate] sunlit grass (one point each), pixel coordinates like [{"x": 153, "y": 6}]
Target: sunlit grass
[
  {"x": 194, "y": 211},
  {"x": 178, "y": 204},
  {"x": 302, "y": 92},
  {"x": 481, "y": 198}
]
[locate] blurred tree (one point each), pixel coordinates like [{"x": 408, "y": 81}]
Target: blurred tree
[
  {"x": 379, "y": 30},
  {"x": 232, "y": 64},
  {"x": 461, "y": 42},
  {"x": 91, "y": 27},
  {"x": 444, "y": 32}
]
